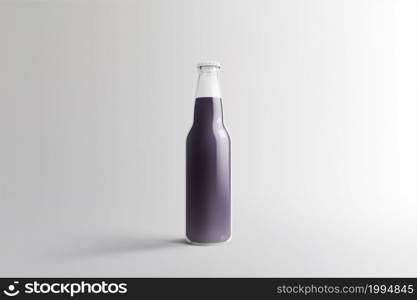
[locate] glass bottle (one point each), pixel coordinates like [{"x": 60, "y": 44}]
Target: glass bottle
[{"x": 208, "y": 166}]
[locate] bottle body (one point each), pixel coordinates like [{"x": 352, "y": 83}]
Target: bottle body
[{"x": 208, "y": 190}]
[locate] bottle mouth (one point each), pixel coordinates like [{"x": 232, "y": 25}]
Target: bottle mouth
[{"x": 210, "y": 64}]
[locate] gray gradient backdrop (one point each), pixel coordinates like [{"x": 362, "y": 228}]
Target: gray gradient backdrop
[{"x": 96, "y": 99}]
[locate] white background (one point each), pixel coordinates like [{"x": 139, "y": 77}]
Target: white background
[{"x": 96, "y": 99}]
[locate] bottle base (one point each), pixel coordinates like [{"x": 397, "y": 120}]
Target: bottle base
[{"x": 207, "y": 244}]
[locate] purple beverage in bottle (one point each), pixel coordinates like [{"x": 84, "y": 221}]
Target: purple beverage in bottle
[{"x": 208, "y": 193}]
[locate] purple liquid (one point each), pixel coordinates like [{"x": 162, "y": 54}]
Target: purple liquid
[{"x": 208, "y": 216}]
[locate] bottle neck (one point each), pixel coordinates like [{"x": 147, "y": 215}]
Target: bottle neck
[
  {"x": 208, "y": 83},
  {"x": 208, "y": 112}
]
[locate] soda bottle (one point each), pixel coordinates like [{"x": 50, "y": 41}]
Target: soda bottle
[{"x": 208, "y": 166}]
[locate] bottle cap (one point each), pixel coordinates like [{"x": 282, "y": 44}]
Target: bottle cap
[{"x": 208, "y": 63}]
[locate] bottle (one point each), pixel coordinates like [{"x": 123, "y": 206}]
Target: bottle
[{"x": 208, "y": 187}]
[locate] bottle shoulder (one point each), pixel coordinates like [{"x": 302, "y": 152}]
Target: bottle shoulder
[
  {"x": 208, "y": 128},
  {"x": 197, "y": 133}
]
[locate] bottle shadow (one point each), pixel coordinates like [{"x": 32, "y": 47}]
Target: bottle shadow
[{"x": 100, "y": 246}]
